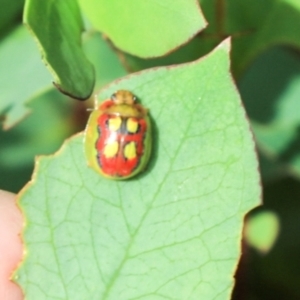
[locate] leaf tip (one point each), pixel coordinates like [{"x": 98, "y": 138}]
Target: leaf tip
[
  {"x": 225, "y": 45},
  {"x": 67, "y": 93}
]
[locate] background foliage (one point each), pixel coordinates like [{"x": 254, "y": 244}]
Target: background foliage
[{"x": 265, "y": 65}]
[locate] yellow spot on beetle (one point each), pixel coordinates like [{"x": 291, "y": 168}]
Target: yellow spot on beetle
[
  {"x": 130, "y": 150},
  {"x": 114, "y": 124},
  {"x": 132, "y": 125},
  {"x": 111, "y": 149}
]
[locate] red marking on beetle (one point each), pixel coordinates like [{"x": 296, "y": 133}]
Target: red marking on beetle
[{"x": 119, "y": 165}]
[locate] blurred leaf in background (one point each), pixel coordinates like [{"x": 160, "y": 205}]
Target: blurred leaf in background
[
  {"x": 262, "y": 230},
  {"x": 274, "y": 275},
  {"x": 20, "y": 79},
  {"x": 10, "y": 15},
  {"x": 107, "y": 64},
  {"x": 271, "y": 92},
  {"x": 42, "y": 132},
  {"x": 258, "y": 26}
]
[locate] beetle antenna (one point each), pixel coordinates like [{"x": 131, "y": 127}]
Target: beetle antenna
[
  {"x": 95, "y": 101},
  {"x": 95, "y": 104}
]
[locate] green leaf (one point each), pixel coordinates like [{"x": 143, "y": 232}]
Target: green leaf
[
  {"x": 244, "y": 16},
  {"x": 271, "y": 92},
  {"x": 146, "y": 28},
  {"x": 57, "y": 26},
  {"x": 9, "y": 14},
  {"x": 258, "y": 27},
  {"x": 187, "y": 53},
  {"x": 279, "y": 268},
  {"x": 262, "y": 230},
  {"x": 107, "y": 64},
  {"x": 42, "y": 132},
  {"x": 171, "y": 233},
  {"x": 23, "y": 75},
  {"x": 253, "y": 27}
]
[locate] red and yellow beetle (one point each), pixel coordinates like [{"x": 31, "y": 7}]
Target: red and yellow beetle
[{"x": 118, "y": 137}]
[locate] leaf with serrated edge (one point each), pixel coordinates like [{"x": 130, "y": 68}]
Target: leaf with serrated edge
[{"x": 171, "y": 233}]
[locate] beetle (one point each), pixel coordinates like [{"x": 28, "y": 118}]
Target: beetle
[{"x": 118, "y": 137}]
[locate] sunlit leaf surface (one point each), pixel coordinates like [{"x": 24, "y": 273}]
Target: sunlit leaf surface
[
  {"x": 174, "y": 232},
  {"x": 146, "y": 28}
]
